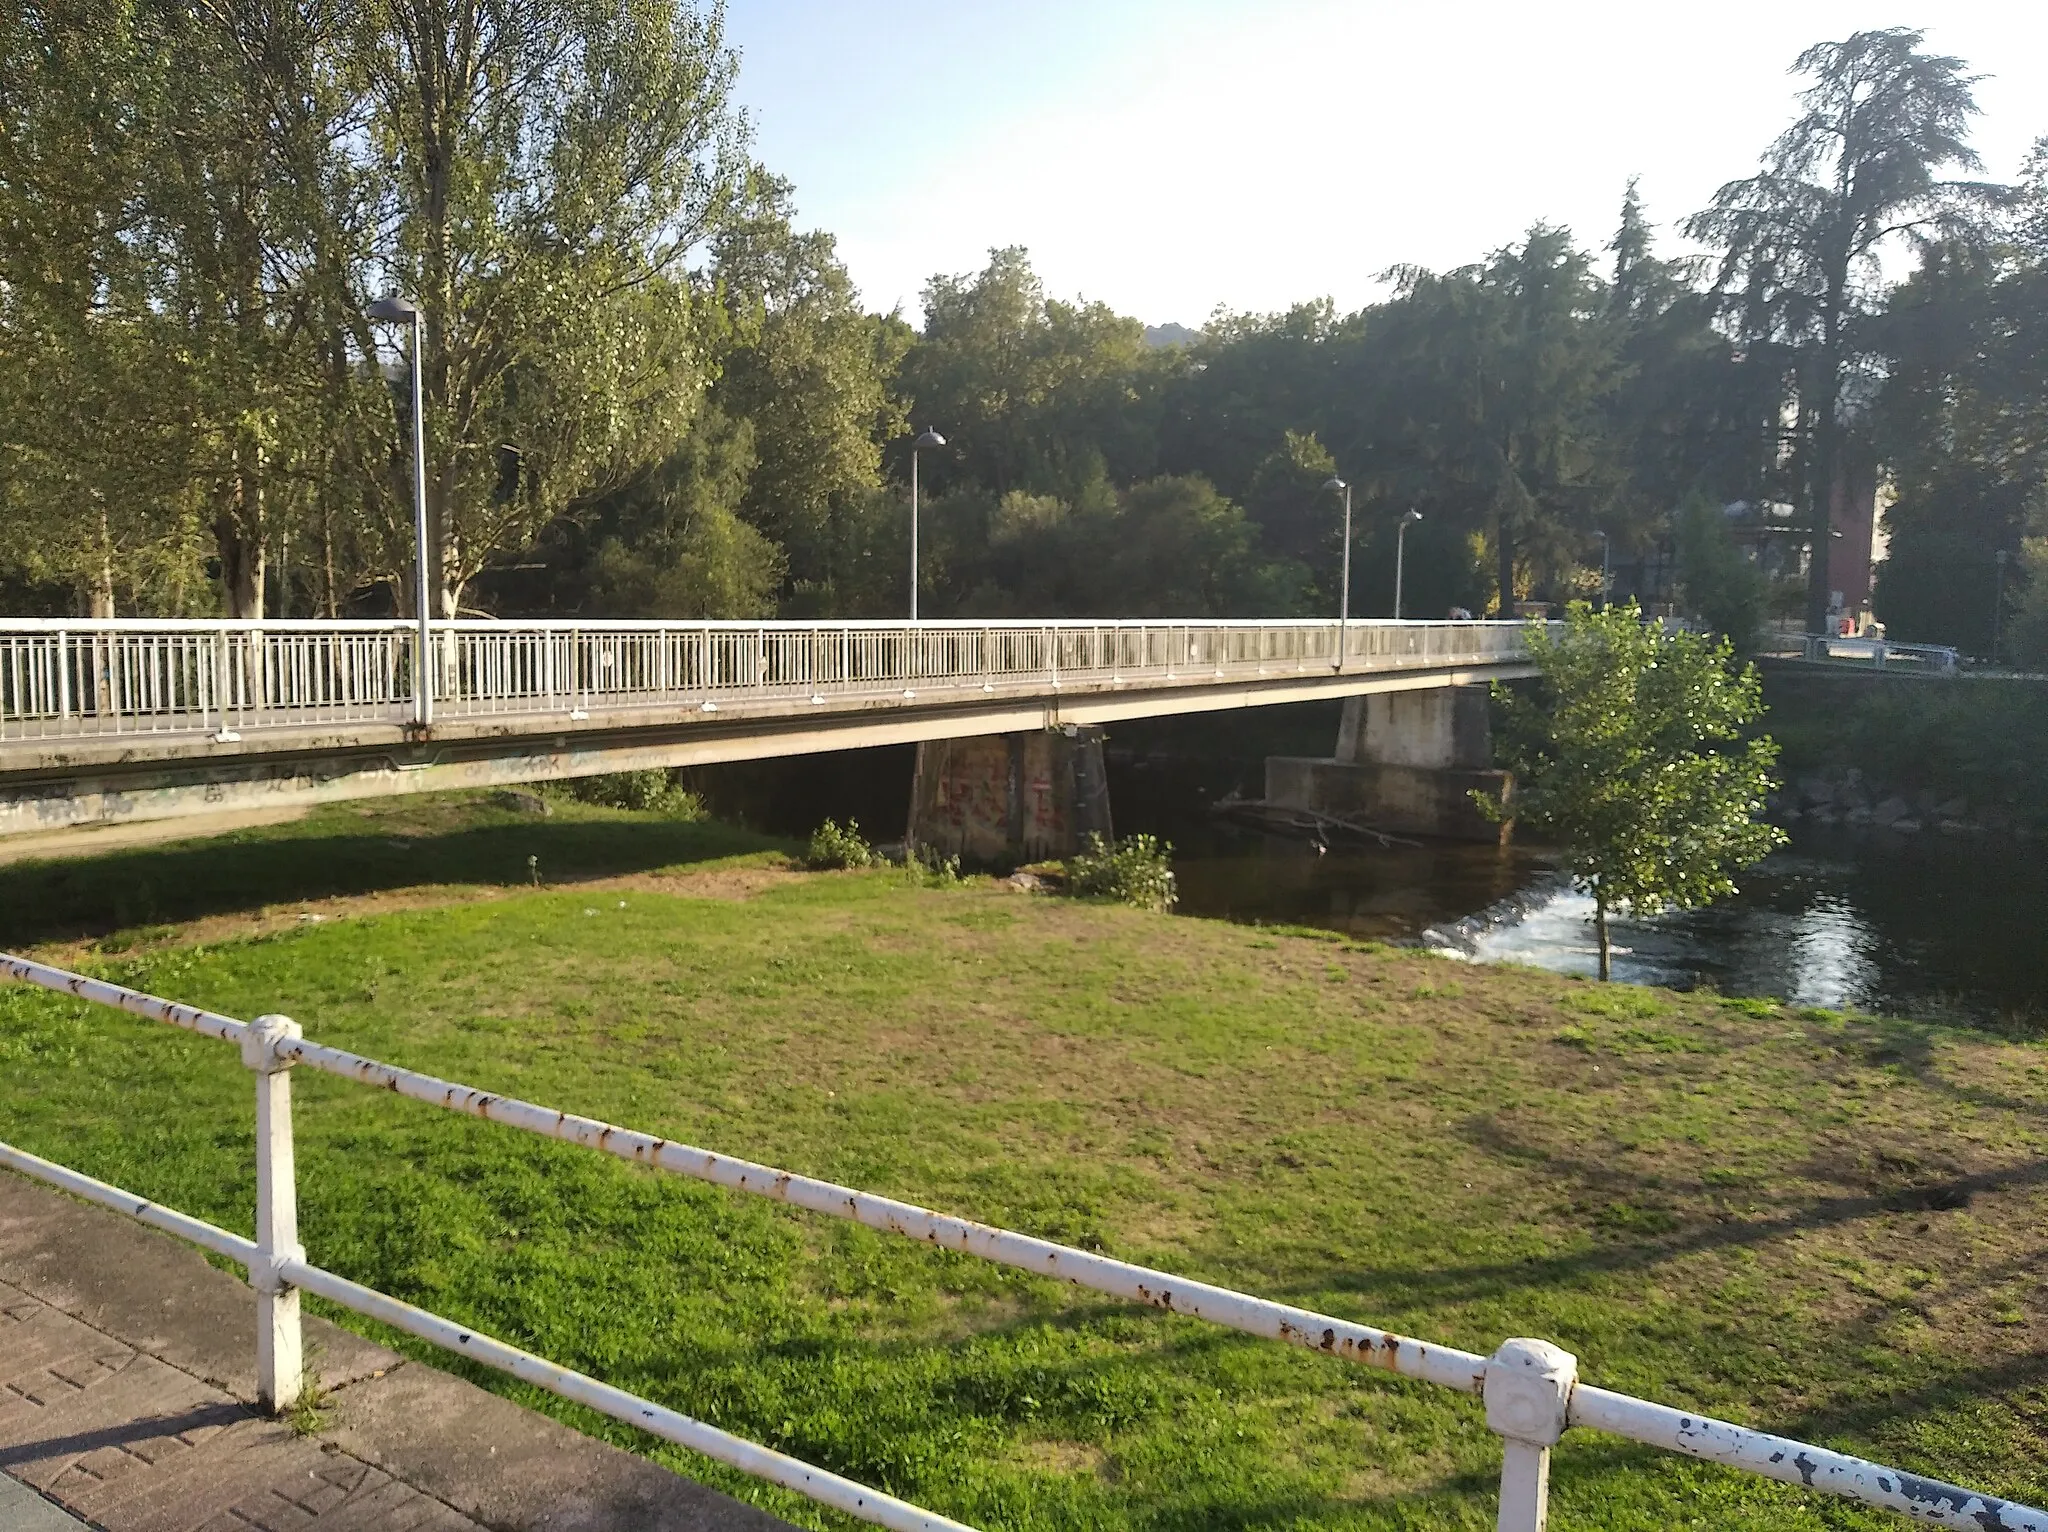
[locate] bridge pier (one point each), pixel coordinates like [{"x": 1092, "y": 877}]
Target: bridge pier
[
  {"x": 1008, "y": 799},
  {"x": 1406, "y": 761}
]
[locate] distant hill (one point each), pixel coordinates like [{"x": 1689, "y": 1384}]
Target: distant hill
[{"x": 1170, "y": 335}]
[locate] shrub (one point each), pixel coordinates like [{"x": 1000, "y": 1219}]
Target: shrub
[
  {"x": 657, "y": 791},
  {"x": 1137, "y": 870},
  {"x": 833, "y": 846},
  {"x": 927, "y": 867}
]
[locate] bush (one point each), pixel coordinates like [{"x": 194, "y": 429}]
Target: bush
[
  {"x": 1137, "y": 870},
  {"x": 657, "y": 791},
  {"x": 832, "y": 847}
]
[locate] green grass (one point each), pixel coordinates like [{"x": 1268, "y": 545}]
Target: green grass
[{"x": 1828, "y": 1226}]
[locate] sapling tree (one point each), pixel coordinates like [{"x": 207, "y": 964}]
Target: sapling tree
[{"x": 1631, "y": 756}]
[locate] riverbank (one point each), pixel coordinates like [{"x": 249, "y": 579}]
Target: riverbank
[
  {"x": 1910, "y": 753},
  {"x": 1707, "y": 1199}
]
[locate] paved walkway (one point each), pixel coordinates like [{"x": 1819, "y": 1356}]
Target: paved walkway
[{"x": 126, "y": 1374}]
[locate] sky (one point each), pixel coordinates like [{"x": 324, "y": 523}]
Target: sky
[{"x": 1170, "y": 157}]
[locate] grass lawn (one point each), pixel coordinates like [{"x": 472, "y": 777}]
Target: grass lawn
[{"x": 1831, "y": 1227}]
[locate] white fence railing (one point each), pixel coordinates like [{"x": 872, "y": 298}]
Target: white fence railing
[
  {"x": 68, "y": 679},
  {"x": 1530, "y": 1388},
  {"x": 1881, "y": 653}
]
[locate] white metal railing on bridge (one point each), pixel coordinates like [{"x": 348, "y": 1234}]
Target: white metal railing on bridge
[
  {"x": 1937, "y": 659},
  {"x": 77, "y": 678},
  {"x": 1530, "y": 1388}
]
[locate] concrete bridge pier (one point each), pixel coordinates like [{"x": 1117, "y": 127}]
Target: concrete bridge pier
[
  {"x": 1002, "y": 800},
  {"x": 1406, "y": 761}
]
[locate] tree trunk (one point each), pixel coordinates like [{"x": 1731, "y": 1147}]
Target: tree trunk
[
  {"x": 241, "y": 563},
  {"x": 1600, "y": 926},
  {"x": 1826, "y": 448},
  {"x": 238, "y": 536},
  {"x": 328, "y": 604},
  {"x": 1825, "y": 454},
  {"x": 102, "y": 596}
]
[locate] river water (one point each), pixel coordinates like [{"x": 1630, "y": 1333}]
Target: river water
[{"x": 1925, "y": 924}]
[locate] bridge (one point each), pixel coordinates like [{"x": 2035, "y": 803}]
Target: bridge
[{"x": 104, "y": 721}]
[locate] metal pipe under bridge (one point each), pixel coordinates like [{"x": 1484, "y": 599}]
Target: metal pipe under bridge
[{"x": 107, "y": 721}]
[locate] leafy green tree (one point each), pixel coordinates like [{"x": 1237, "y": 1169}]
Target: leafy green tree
[
  {"x": 1032, "y": 393},
  {"x": 94, "y": 453},
  {"x": 1718, "y": 582},
  {"x": 1687, "y": 420},
  {"x": 548, "y": 166},
  {"x": 1486, "y": 386},
  {"x": 1299, "y": 517},
  {"x": 672, "y": 542},
  {"x": 1963, "y": 417},
  {"x": 1801, "y": 240},
  {"x": 1250, "y": 379},
  {"x": 1631, "y": 757},
  {"x": 811, "y": 373}
]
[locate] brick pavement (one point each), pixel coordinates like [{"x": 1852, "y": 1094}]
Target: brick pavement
[{"x": 126, "y": 1371}]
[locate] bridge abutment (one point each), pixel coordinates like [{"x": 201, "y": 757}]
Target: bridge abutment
[
  {"x": 1007, "y": 799},
  {"x": 1406, "y": 761}
]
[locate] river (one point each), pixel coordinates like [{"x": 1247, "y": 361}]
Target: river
[{"x": 1925, "y": 924}]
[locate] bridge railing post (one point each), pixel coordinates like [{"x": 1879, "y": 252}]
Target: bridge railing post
[
  {"x": 280, "y": 1352},
  {"x": 1528, "y": 1394}
]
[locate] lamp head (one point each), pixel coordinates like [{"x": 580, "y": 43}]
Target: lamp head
[
  {"x": 1411, "y": 518},
  {"x": 930, "y": 438},
  {"x": 392, "y": 309},
  {"x": 1336, "y": 484}
]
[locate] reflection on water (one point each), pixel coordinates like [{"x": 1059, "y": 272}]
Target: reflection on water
[
  {"x": 1841, "y": 918},
  {"x": 1387, "y": 895},
  {"x": 1230, "y": 873}
]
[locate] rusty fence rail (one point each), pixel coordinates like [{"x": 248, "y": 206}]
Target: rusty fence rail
[
  {"x": 1530, "y": 1388},
  {"x": 79, "y": 678}
]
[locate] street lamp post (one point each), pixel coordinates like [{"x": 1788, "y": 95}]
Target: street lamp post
[
  {"x": 929, "y": 438},
  {"x": 1998, "y": 606},
  {"x": 1344, "y": 592},
  {"x": 1408, "y": 519},
  {"x": 1606, "y": 578},
  {"x": 396, "y": 310}
]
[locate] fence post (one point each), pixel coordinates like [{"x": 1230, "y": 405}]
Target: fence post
[
  {"x": 280, "y": 1354},
  {"x": 1528, "y": 1388}
]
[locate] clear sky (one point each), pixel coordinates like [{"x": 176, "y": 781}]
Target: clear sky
[{"x": 1170, "y": 156}]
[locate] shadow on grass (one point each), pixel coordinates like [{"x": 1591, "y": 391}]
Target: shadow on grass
[
  {"x": 332, "y": 855},
  {"x": 1908, "y": 1193}
]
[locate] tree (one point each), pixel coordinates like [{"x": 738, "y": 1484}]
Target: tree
[
  {"x": 1034, "y": 394},
  {"x": 550, "y": 165},
  {"x": 1964, "y": 419},
  {"x": 1488, "y": 386},
  {"x": 1631, "y": 757},
  {"x": 94, "y": 444},
  {"x": 1801, "y": 240},
  {"x": 811, "y": 373},
  {"x": 1720, "y": 584}
]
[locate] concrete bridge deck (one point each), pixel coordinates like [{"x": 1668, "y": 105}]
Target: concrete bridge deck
[{"x": 111, "y": 721}]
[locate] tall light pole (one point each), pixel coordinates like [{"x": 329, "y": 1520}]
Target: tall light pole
[
  {"x": 1998, "y": 606},
  {"x": 397, "y": 310},
  {"x": 930, "y": 438},
  {"x": 1344, "y": 595},
  {"x": 1605, "y": 567},
  {"x": 1408, "y": 519}
]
